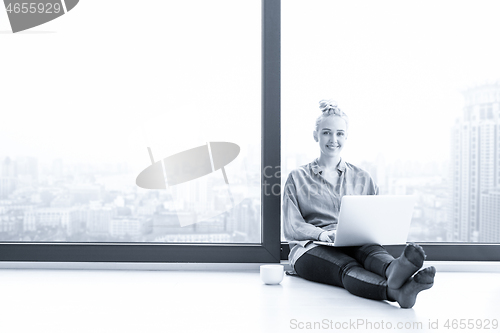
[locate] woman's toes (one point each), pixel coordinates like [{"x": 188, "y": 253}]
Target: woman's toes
[
  {"x": 407, "y": 294},
  {"x": 426, "y": 275},
  {"x": 415, "y": 254},
  {"x": 402, "y": 268}
]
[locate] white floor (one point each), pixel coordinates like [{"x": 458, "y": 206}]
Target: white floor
[{"x": 227, "y": 301}]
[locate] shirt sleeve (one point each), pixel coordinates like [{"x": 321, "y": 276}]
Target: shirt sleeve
[
  {"x": 375, "y": 190},
  {"x": 294, "y": 225}
]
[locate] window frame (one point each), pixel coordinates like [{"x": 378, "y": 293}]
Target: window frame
[
  {"x": 440, "y": 251},
  {"x": 268, "y": 251},
  {"x": 271, "y": 249}
]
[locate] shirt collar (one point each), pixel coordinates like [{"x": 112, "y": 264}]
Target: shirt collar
[{"x": 316, "y": 168}]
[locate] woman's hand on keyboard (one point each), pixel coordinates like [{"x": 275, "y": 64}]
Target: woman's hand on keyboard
[{"x": 327, "y": 236}]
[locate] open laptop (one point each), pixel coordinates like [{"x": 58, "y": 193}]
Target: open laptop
[{"x": 367, "y": 219}]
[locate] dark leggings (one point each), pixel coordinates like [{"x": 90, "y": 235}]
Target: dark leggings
[{"x": 358, "y": 269}]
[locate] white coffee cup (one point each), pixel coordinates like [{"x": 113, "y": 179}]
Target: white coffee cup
[{"x": 271, "y": 274}]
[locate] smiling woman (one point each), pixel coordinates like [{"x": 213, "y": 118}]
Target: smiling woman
[
  {"x": 368, "y": 271},
  {"x": 331, "y": 134}
]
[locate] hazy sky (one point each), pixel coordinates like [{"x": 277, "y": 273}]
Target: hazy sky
[
  {"x": 111, "y": 78},
  {"x": 102, "y": 85},
  {"x": 395, "y": 67}
]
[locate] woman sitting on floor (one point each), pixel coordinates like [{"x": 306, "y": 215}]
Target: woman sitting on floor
[{"x": 311, "y": 205}]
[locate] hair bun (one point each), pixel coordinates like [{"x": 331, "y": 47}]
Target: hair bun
[{"x": 326, "y": 105}]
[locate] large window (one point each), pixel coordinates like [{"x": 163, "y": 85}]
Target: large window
[
  {"x": 136, "y": 135},
  {"x": 419, "y": 82},
  {"x": 95, "y": 99}
]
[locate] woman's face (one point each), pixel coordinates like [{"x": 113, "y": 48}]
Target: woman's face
[{"x": 331, "y": 135}]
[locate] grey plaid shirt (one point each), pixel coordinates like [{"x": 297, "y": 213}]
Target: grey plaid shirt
[{"x": 311, "y": 204}]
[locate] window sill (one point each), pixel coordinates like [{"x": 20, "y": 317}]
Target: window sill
[{"x": 441, "y": 266}]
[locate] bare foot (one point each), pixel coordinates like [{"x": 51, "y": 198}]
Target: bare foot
[
  {"x": 406, "y": 296},
  {"x": 402, "y": 268}
]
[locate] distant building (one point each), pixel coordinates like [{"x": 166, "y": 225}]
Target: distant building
[
  {"x": 99, "y": 220},
  {"x": 49, "y": 217},
  {"x": 8, "y": 177},
  {"x": 7, "y": 186},
  {"x": 166, "y": 223},
  {"x": 126, "y": 226},
  {"x": 8, "y": 168},
  {"x": 8, "y": 224},
  {"x": 244, "y": 221},
  {"x": 475, "y": 162},
  {"x": 85, "y": 193},
  {"x": 75, "y": 221},
  {"x": 27, "y": 170},
  {"x": 29, "y": 222},
  {"x": 489, "y": 216}
]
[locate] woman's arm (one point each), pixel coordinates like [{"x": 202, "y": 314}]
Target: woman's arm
[{"x": 294, "y": 225}]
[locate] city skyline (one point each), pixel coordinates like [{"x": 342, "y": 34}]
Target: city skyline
[
  {"x": 475, "y": 167},
  {"x": 82, "y": 202}
]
